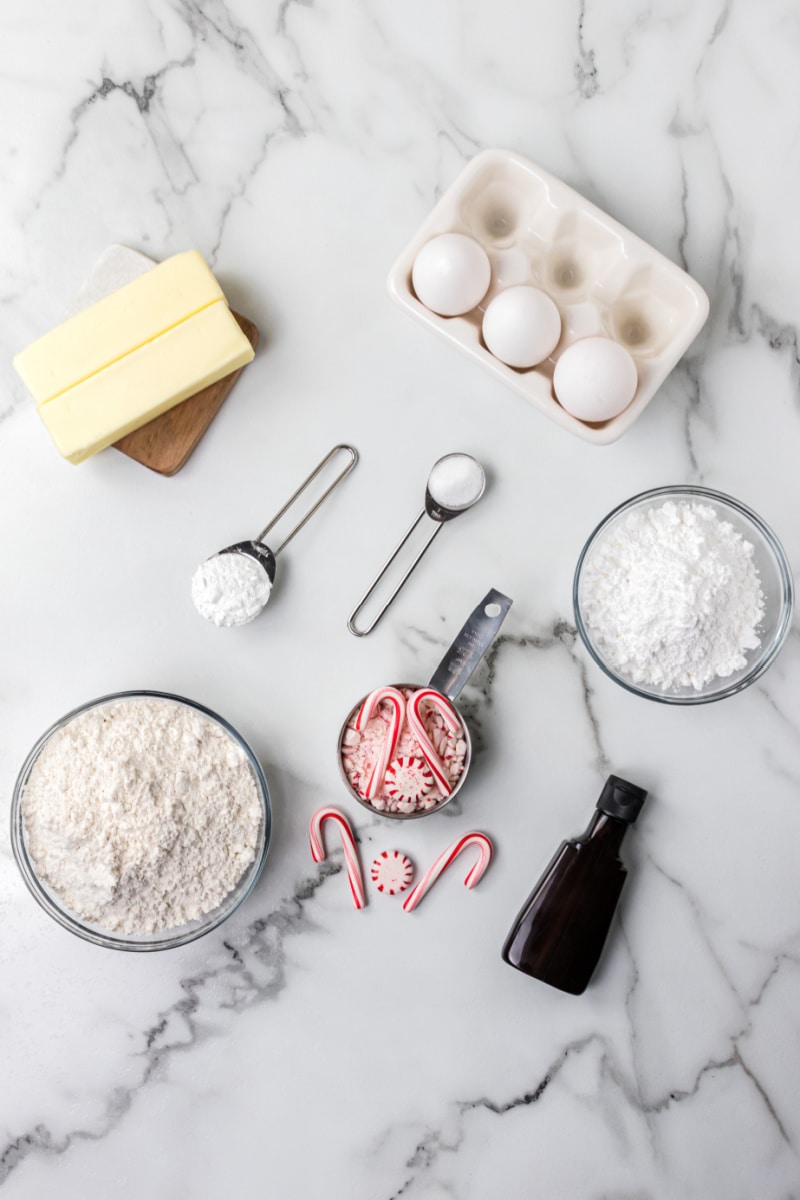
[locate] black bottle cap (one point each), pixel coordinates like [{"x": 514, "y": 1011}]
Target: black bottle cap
[{"x": 621, "y": 799}]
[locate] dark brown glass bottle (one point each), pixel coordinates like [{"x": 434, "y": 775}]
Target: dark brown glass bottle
[{"x": 558, "y": 936}]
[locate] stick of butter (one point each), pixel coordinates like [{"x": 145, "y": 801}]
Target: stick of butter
[
  {"x": 133, "y": 355},
  {"x": 145, "y": 383},
  {"x": 172, "y": 292}
]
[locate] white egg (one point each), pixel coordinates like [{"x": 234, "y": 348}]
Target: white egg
[
  {"x": 521, "y": 326},
  {"x": 451, "y": 274},
  {"x": 595, "y": 379}
]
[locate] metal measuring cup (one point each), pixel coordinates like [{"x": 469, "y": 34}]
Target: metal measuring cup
[{"x": 449, "y": 679}]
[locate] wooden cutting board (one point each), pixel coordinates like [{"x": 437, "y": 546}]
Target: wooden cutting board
[{"x": 165, "y": 444}]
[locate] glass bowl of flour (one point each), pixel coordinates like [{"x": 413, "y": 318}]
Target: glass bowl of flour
[
  {"x": 140, "y": 821},
  {"x": 683, "y": 595}
]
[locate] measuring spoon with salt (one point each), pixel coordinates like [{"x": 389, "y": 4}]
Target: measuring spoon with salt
[
  {"x": 455, "y": 483},
  {"x": 232, "y": 587}
]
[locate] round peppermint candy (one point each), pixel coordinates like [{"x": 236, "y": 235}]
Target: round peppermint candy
[
  {"x": 391, "y": 872},
  {"x": 408, "y": 778}
]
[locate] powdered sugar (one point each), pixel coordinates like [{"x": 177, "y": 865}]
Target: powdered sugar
[
  {"x": 141, "y": 814},
  {"x": 671, "y": 596},
  {"x": 230, "y": 589}
]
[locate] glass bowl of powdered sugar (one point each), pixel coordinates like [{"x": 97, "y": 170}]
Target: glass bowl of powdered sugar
[
  {"x": 140, "y": 821},
  {"x": 683, "y": 595}
]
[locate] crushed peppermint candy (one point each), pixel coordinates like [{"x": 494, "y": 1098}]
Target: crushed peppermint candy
[{"x": 409, "y": 784}]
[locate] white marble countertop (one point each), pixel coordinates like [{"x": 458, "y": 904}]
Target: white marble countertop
[{"x": 305, "y": 1050}]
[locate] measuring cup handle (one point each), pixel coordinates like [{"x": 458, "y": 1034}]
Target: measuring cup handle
[
  {"x": 351, "y": 621},
  {"x": 472, "y": 642}
]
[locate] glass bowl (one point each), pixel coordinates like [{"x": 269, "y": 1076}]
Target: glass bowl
[
  {"x": 776, "y": 582},
  {"x": 165, "y": 939}
]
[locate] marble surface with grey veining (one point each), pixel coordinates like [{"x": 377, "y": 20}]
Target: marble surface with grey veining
[{"x": 305, "y": 1050}]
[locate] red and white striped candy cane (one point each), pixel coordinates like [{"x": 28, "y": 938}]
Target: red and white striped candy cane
[
  {"x": 415, "y": 723},
  {"x": 396, "y": 700},
  {"x": 354, "y": 876},
  {"x": 443, "y": 861}
]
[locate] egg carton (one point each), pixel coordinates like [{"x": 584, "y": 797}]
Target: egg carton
[{"x": 604, "y": 280}]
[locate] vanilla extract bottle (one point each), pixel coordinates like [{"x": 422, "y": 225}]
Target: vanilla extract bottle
[{"x": 560, "y": 932}]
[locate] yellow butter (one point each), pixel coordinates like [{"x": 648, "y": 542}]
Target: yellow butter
[
  {"x": 145, "y": 383},
  {"x": 125, "y": 320}
]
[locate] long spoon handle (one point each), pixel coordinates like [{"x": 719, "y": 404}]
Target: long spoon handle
[
  {"x": 351, "y": 622},
  {"x": 352, "y": 454}
]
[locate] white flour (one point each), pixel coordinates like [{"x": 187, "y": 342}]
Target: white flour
[
  {"x": 672, "y": 597},
  {"x": 141, "y": 815},
  {"x": 230, "y": 589}
]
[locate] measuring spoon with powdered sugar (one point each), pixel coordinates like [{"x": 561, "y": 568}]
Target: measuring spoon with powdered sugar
[{"x": 232, "y": 587}]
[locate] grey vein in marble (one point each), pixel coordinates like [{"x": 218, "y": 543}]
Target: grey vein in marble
[
  {"x": 262, "y": 940},
  {"x": 434, "y": 1142},
  {"x": 283, "y": 9},
  {"x": 659, "y": 1103},
  {"x": 693, "y": 392},
  {"x": 585, "y": 66},
  {"x": 170, "y": 152},
  {"x": 565, "y": 636}
]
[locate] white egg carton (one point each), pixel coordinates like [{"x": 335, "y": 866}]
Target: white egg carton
[{"x": 604, "y": 280}]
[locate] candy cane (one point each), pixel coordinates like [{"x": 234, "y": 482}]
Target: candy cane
[
  {"x": 354, "y": 876},
  {"x": 442, "y": 706},
  {"x": 443, "y": 861},
  {"x": 417, "y": 727},
  {"x": 396, "y": 700}
]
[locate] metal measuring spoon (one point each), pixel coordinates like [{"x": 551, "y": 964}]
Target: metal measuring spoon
[
  {"x": 455, "y": 483},
  {"x": 210, "y": 578}
]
